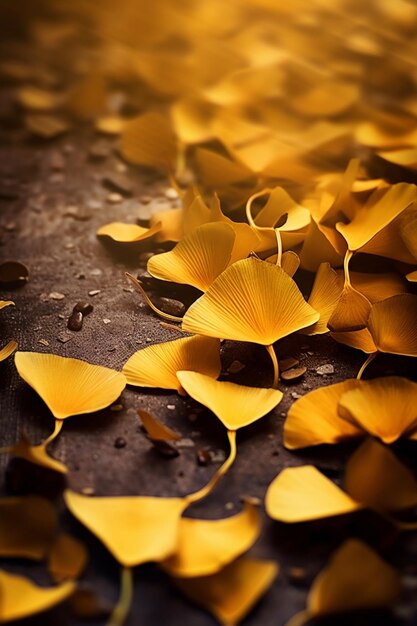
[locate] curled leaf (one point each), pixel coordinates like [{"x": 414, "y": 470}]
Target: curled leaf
[
  {"x": 69, "y": 386},
  {"x": 157, "y": 365},
  {"x": 314, "y": 418},
  {"x": 21, "y": 598},
  {"x": 135, "y": 529},
  {"x": 127, "y": 233},
  {"x": 303, "y": 494},
  {"x": 231, "y": 593},
  {"x": 206, "y": 546},
  {"x": 236, "y": 406}
]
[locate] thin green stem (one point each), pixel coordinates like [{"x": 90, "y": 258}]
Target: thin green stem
[
  {"x": 274, "y": 360},
  {"x": 208, "y": 488},
  {"x": 54, "y": 434},
  {"x": 365, "y": 365},
  {"x": 122, "y": 608},
  {"x": 140, "y": 289}
]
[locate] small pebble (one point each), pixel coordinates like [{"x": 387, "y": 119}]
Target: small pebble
[
  {"x": 171, "y": 193},
  {"x": 56, "y": 295},
  {"x": 171, "y": 407},
  {"x": 96, "y": 272},
  {"x": 186, "y": 443},
  {"x": 43, "y": 342},
  {"x": 293, "y": 374},
  {"x": 75, "y": 321},
  {"x": 118, "y": 183},
  {"x": 114, "y": 198},
  {"x": 170, "y": 306},
  {"x": 295, "y": 395},
  {"x": 94, "y": 292},
  {"x": 218, "y": 456},
  {"x": 120, "y": 442},
  {"x": 106, "y": 320},
  {"x": 83, "y": 307},
  {"x": 87, "y": 491},
  {"x": 64, "y": 337},
  {"x": 203, "y": 456},
  {"x": 297, "y": 576},
  {"x": 229, "y": 506},
  {"x": 325, "y": 370}
]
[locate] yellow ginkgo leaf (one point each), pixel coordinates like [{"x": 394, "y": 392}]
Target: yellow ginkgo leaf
[
  {"x": 383, "y": 206},
  {"x": 303, "y": 494},
  {"x": 359, "y": 339},
  {"x": 351, "y": 312},
  {"x": 408, "y": 229},
  {"x": 135, "y": 529},
  {"x": 251, "y": 301},
  {"x": 280, "y": 211},
  {"x": 67, "y": 558},
  {"x": 149, "y": 140},
  {"x": 290, "y": 262},
  {"x": 155, "y": 430},
  {"x": 377, "y": 287},
  {"x": 5, "y": 303},
  {"x": 21, "y": 598},
  {"x": 27, "y": 526},
  {"x": 375, "y": 477},
  {"x": 231, "y": 593},
  {"x": 355, "y": 578},
  {"x": 313, "y": 419},
  {"x": 157, "y": 365},
  {"x": 7, "y": 350},
  {"x": 198, "y": 259},
  {"x": 206, "y": 546},
  {"x": 216, "y": 170},
  {"x": 37, "y": 455},
  {"x": 69, "y": 386},
  {"x": 384, "y": 407},
  {"x": 236, "y": 406},
  {"x": 110, "y": 124},
  {"x": 127, "y": 233},
  {"x": 393, "y": 325},
  {"x": 324, "y": 298}
]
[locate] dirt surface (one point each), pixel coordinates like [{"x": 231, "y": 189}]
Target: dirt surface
[{"x": 53, "y": 197}]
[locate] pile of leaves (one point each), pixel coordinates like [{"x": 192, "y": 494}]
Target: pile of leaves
[{"x": 289, "y": 137}]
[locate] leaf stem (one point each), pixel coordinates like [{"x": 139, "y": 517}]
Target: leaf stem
[
  {"x": 124, "y": 602},
  {"x": 54, "y": 434},
  {"x": 279, "y": 246},
  {"x": 149, "y": 302},
  {"x": 208, "y": 488},
  {"x": 274, "y": 360},
  {"x": 346, "y": 261},
  {"x": 253, "y": 197},
  {"x": 365, "y": 365}
]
